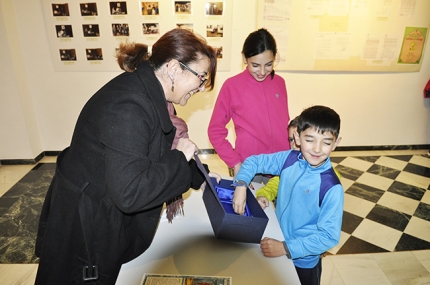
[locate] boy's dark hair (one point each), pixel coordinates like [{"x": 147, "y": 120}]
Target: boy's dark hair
[{"x": 322, "y": 118}]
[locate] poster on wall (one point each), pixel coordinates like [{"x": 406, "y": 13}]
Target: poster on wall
[
  {"x": 85, "y": 36},
  {"x": 347, "y": 35}
]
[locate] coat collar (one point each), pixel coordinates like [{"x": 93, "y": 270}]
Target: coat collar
[{"x": 155, "y": 93}]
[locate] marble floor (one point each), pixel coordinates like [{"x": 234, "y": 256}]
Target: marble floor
[{"x": 386, "y": 230}]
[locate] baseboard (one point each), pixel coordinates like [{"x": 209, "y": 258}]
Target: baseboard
[{"x": 212, "y": 151}]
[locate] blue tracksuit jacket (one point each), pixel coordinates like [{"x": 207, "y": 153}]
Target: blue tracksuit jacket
[{"x": 309, "y": 228}]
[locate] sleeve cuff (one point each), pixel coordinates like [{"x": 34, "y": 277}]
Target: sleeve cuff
[
  {"x": 239, "y": 183},
  {"x": 287, "y": 250}
]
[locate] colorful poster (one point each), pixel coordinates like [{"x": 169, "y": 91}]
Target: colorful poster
[{"x": 413, "y": 45}]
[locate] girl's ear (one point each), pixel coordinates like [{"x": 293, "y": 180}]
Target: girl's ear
[{"x": 244, "y": 59}]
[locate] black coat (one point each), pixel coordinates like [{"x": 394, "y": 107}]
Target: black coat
[{"x": 104, "y": 203}]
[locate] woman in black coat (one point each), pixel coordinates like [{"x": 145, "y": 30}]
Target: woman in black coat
[{"x": 104, "y": 203}]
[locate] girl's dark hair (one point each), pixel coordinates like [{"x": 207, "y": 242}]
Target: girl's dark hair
[
  {"x": 258, "y": 42},
  {"x": 179, "y": 44}
]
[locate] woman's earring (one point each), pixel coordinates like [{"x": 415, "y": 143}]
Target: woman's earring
[{"x": 173, "y": 85}]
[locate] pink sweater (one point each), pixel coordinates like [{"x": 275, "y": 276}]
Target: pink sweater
[{"x": 260, "y": 115}]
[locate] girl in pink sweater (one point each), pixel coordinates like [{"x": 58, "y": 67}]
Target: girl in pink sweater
[{"x": 256, "y": 101}]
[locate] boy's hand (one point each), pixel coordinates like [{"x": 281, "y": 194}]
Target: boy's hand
[
  {"x": 272, "y": 247},
  {"x": 264, "y": 203},
  {"x": 239, "y": 200}
]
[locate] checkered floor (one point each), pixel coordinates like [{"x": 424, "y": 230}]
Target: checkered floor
[{"x": 387, "y": 203}]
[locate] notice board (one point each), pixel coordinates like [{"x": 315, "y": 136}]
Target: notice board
[{"x": 348, "y": 35}]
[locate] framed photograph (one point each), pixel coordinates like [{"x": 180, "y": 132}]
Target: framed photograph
[
  {"x": 91, "y": 30},
  {"x": 118, "y": 8},
  {"x": 150, "y": 8},
  {"x": 214, "y": 31},
  {"x": 182, "y": 7},
  {"x": 67, "y": 54},
  {"x": 150, "y": 28},
  {"x": 214, "y": 8},
  {"x": 64, "y": 31},
  {"x": 188, "y": 26},
  {"x": 120, "y": 30},
  {"x": 94, "y": 54},
  {"x": 218, "y": 52},
  {"x": 60, "y": 10},
  {"x": 88, "y": 9}
]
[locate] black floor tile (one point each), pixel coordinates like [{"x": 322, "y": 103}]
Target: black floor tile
[
  {"x": 337, "y": 159},
  {"x": 348, "y": 172},
  {"x": 423, "y": 211},
  {"x": 368, "y": 193},
  {"x": 384, "y": 171},
  {"x": 350, "y": 222},
  {"x": 356, "y": 245},
  {"x": 389, "y": 217},
  {"x": 406, "y": 190},
  {"x": 401, "y": 157},
  {"x": 408, "y": 242},
  {"x": 417, "y": 169},
  {"x": 368, "y": 158}
]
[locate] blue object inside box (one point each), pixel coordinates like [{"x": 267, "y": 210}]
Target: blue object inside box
[{"x": 226, "y": 197}]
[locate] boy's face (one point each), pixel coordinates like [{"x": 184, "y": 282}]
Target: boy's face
[
  {"x": 316, "y": 147},
  {"x": 293, "y": 144}
]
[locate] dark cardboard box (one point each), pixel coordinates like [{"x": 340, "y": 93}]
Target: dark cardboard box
[{"x": 226, "y": 224}]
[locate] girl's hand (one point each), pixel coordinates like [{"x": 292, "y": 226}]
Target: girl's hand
[
  {"x": 214, "y": 175},
  {"x": 264, "y": 203}
]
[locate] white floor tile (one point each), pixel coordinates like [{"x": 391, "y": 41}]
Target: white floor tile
[
  {"x": 18, "y": 274},
  {"x": 377, "y": 234},
  {"x": 426, "y": 197},
  {"x": 357, "y": 206},
  {"x": 330, "y": 275},
  {"x": 399, "y": 203},
  {"x": 356, "y": 163},
  {"x": 376, "y": 181},
  {"x": 424, "y": 257},
  {"x": 413, "y": 179},
  {"x": 420, "y": 160},
  {"x": 359, "y": 269},
  {"x": 391, "y": 162},
  {"x": 402, "y": 268},
  {"x": 418, "y": 228}
]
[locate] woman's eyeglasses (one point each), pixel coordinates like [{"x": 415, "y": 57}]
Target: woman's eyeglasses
[{"x": 201, "y": 77}]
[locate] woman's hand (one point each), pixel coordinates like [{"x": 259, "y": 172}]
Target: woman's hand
[
  {"x": 239, "y": 200},
  {"x": 272, "y": 247},
  {"x": 187, "y": 147}
]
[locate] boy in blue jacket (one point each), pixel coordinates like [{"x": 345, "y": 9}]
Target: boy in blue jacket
[{"x": 310, "y": 197}]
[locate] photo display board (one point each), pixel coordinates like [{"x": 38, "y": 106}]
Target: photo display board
[
  {"x": 348, "y": 35},
  {"x": 84, "y": 36}
]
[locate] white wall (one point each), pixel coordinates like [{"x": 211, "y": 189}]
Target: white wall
[{"x": 39, "y": 107}]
